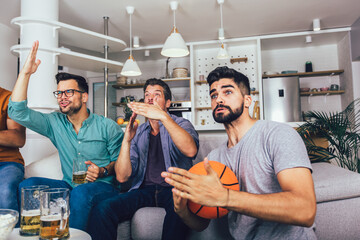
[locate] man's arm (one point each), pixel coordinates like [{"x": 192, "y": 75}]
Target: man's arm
[
  {"x": 296, "y": 204},
  {"x": 181, "y": 138},
  {"x": 123, "y": 167},
  {"x": 14, "y": 136},
  {"x": 19, "y": 92}
]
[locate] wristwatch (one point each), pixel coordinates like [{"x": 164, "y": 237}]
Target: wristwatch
[{"x": 105, "y": 173}]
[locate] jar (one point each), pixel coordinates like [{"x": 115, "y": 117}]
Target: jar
[
  {"x": 180, "y": 73},
  {"x": 308, "y": 66}
]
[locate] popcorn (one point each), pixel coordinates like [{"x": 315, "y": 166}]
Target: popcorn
[{"x": 7, "y": 223}]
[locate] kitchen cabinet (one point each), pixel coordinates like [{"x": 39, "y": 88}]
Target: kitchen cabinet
[
  {"x": 328, "y": 53},
  {"x": 330, "y": 56}
]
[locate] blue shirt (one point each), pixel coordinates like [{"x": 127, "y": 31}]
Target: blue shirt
[
  {"x": 172, "y": 155},
  {"x": 99, "y": 138}
]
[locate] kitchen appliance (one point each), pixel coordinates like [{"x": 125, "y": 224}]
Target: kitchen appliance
[
  {"x": 181, "y": 109},
  {"x": 282, "y": 99}
]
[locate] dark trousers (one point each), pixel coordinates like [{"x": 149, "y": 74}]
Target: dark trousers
[{"x": 112, "y": 209}]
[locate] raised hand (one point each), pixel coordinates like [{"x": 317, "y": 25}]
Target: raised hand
[
  {"x": 151, "y": 111},
  {"x": 31, "y": 63},
  {"x": 131, "y": 128}
]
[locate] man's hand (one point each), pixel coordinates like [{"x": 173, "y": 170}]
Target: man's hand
[
  {"x": 93, "y": 171},
  {"x": 202, "y": 189},
  {"x": 31, "y": 63},
  {"x": 151, "y": 111},
  {"x": 131, "y": 128},
  {"x": 180, "y": 205}
]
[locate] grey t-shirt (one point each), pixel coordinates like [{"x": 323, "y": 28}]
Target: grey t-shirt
[{"x": 265, "y": 150}]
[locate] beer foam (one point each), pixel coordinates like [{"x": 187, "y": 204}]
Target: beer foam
[
  {"x": 49, "y": 218},
  {"x": 80, "y": 172},
  {"x": 30, "y": 213}
]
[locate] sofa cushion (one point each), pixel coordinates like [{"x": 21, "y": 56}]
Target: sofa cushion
[
  {"x": 334, "y": 183},
  {"x": 147, "y": 223},
  {"x": 48, "y": 167}
]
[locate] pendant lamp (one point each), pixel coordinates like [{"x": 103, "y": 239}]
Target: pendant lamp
[
  {"x": 130, "y": 67},
  {"x": 222, "y": 54},
  {"x": 174, "y": 45}
]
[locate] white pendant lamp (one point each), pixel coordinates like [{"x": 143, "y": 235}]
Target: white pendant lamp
[
  {"x": 130, "y": 68},
  {"x": 222, "y": 54},
  {"x": 174, "y": 45}
]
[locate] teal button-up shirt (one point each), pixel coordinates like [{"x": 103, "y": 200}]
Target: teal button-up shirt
[{"x": 99, "y": 138}]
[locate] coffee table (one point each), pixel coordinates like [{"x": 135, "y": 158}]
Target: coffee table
[{"x": 75, "y": 234}]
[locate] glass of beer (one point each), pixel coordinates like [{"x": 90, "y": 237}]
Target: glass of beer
[
  {"x": 79, "y": 171},
  {"x": 30, "y": 210},
  {"x": 54, "y": 213}
]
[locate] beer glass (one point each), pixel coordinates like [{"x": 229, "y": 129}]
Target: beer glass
[
  {"x": 54, "y": 214},
  {"x": 30, "y": 210},
  {"x": 79, "y": 171}
]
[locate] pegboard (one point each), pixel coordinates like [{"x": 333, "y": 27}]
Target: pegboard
[{"x": 205, "y": 61}]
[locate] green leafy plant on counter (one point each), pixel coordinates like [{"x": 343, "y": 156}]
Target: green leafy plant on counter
[{"x": 341, "y": 130}]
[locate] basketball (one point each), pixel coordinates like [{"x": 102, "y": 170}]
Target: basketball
[{"x": 227, "y": 178}]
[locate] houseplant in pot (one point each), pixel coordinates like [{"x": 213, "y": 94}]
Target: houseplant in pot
[{"x": 341, "y": 130}]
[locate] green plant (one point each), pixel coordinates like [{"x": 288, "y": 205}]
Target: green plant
[{"x": 341, "y": 130}]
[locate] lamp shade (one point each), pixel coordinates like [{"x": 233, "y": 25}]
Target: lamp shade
[
  {"x": 130, "y": 68},
  {"x": 175, "y": 45},
  {"x": 222, "y": 54}
]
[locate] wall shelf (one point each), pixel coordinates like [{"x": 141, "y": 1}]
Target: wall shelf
[
  {"x": 321, "y": 93},
  {"x": 77, "y": 37},
  {"x": 77, "y": 60},
  {"x": 141, "y": 85},
  {"x": 306, "y": 74}
]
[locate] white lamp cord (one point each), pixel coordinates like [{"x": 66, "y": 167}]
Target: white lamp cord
[
  {"x": 174, "y": 20},
  {"x": 130, "y": 37}
]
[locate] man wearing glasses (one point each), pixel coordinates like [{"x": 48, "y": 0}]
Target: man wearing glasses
[{"x": 76, "y": 133}]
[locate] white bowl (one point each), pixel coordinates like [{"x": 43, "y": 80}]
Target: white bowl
[{"x": 8, "y": 220}]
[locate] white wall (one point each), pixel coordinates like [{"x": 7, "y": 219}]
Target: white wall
[{"x": 8, "y": 61}]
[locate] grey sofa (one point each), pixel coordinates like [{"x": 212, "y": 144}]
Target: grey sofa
[
  {"x": 338, "y": 211},
  {"x": 338, "y": 206}
]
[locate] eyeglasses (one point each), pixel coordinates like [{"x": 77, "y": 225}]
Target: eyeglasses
[{"x": 67, "y": 92}]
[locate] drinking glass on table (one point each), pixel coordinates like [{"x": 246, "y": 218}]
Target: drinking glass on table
[
  {"x": 54, "y": 214},
  {"x": 30, "y": 210},
  {"x": 79, "y": 171}
]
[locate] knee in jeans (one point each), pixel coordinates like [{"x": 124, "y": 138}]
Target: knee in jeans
[
  {"x": 80, "y": 194},
  {"x": 28, "y": 182}
]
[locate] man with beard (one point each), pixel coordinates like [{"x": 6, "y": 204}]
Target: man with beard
[
  {"x": 77, "y": 134},
  {"x": 276, "y": 198}
]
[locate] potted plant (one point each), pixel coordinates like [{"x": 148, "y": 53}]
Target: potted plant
[{"x": 340, "y": 129}]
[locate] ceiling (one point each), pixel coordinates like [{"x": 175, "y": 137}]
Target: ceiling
[{"x": 198, "y": 20}]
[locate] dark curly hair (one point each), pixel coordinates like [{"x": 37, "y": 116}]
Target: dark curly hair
[{"x": 224, "y": 72}]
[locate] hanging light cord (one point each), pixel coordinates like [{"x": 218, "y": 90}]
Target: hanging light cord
[
  {"x": 130, "y": 37},
  {"x": 221, "y": 16},
  {"x": 174, "y": 20}
]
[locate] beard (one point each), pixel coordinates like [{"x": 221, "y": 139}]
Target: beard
[
  {"x": 71, "y": 110},
  {"x": 227, "y": 118}
]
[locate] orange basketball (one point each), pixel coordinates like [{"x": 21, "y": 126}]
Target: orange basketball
[{"x": 227, "y": 178}]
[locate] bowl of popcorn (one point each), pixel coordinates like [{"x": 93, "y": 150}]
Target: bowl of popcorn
[{"x": 8, "y": 220}]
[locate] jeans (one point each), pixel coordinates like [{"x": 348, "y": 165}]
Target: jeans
[
  {"x": 112, "y": 209},
  {"x": 81, "y": 197},
  {"x": 12, "y": 174}
]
